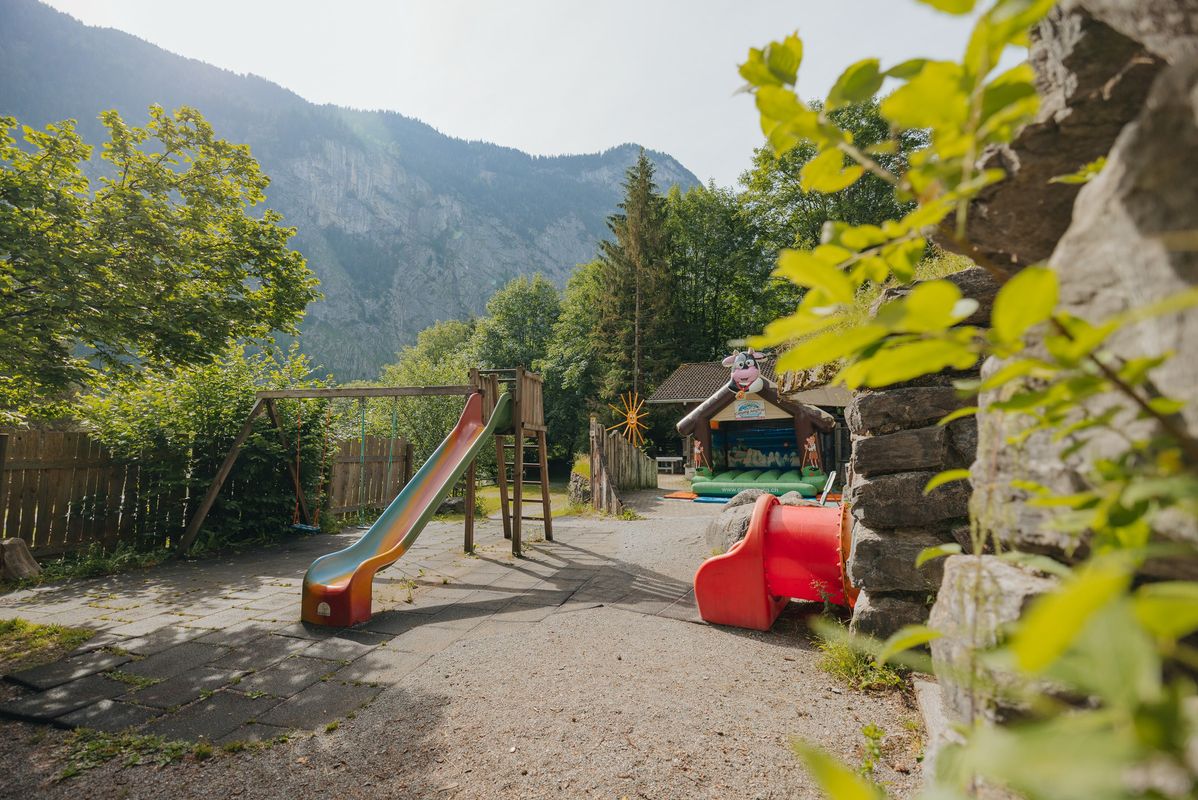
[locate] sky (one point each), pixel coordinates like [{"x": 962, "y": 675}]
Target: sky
[{"x": 545, "y": 76}]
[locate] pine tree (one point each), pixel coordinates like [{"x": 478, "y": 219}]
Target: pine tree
[{"x": 636, "y": 310}]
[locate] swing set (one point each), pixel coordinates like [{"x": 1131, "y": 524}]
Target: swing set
[
  {"x": 303, "y": 518},
  {"x": 526, "y": 429}
]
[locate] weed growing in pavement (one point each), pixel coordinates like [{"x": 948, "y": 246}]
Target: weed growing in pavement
[
  {"x": 137, "y": 681},
  {"x": 87, "y": 749}
]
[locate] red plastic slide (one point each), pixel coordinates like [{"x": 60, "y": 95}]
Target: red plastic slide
[{"x": 789, "y": 552}]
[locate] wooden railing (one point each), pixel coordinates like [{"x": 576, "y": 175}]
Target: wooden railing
[{"x": 616, "y": 466}]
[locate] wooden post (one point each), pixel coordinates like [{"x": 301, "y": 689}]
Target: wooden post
[
  {"x": 501, "y": 477},
  {"x": 292, "y": 467},
  {"x": 193, "y": 527},
  {"x": 468, "y": 544},
  {"x": 3, "y": 482},
  {"x": 543, "y": 448},
  {"x": 518, "y": 460}
]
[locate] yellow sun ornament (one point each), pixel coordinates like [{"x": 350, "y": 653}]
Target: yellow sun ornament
[{"x": 632, "y": 423}]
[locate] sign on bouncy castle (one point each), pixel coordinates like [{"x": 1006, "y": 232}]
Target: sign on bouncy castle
[{"x": 750, "y": 409}]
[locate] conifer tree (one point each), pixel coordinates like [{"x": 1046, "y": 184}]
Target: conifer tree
[{"x": 636, "y": 309}]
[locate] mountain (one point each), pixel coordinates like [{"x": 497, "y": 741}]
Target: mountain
[{"x": 403, "y": 225}]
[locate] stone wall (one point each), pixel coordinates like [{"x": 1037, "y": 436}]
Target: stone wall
[
  {"x": 1118, "y": 76},
  {"x": 898, "y": 446}
]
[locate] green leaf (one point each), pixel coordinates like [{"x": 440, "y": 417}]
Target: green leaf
[
  {"x": 755, "y": 71},
  {"x": 937, "y": 551},
  {"x": 830, "y": 347},
  {"x": 856, "y": 84},
  {"x": 827, "y": 173},
  {"x": 783, "y": 58},
  {"x": 1025, "y": 300},
  {"x": 1020, "y": 368},
  {"x": 947, "y": 476},
  {"x": 1084, "y": 174},
  {"x": 905, "y": 638},
  {"x": 804, "y": 269},
  {"x": 906, "y": 70},
  {"x": 951, "y": 6},
  {"x": 1037, "y": 562},
  {"x": 902, "y": 362},
  {"x": 1166, "y": 406},
  {"x": 928, "y": 307},
  {"x": 835, "y": 780},
  {"x": 904, "y": 257},
  {"x": 1169, "y": 610},
  {"x": 934, "y": 98},
  {"x": 967, "y": 411},
  {"x": 1055, "y": 620}
]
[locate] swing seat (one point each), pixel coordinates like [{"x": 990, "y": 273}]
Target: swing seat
[{"x": 299, "y": 526}]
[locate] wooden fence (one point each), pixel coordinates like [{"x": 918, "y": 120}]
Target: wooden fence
[
  {"x": 60, "y": 492},
  {"x": 373, "y": 480},
  {"x": 616, "y": 466}
]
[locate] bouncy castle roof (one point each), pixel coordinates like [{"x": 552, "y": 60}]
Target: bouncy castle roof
[{"x": 694, "y": 383}]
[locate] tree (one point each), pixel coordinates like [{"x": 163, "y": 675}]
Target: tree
[
  {"x": 721, "y": 270},
  {"x": 571, "y": 366},
  {"x": 442, "y": 356},
  {"x": 519, "y": 321},
  {"x": 788, "y": 216},
  {"x": 637, "y": 316},
  {"x": 162, "y": 265}
]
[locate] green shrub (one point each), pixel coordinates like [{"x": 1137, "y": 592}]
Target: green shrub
[{"x": 179, "y": 426}]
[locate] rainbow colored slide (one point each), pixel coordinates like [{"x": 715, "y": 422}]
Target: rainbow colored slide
[{"x": 337, "y": 587}]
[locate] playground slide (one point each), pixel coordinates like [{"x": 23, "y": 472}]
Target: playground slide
[{"x": 337, "y": 587}]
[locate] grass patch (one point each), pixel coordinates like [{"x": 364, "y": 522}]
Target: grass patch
[
  {"x": 27, "y": 644},
  {"x": 140, "y": 681},
  {"x": 87, "y": 749},
  {"x": 856, "y": 669},
  {"x": 582, "y": 465},
  {"x": 629, "y": 515}
]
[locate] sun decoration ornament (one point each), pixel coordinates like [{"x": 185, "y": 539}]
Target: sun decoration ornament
[{"x": 632, "y": 423}]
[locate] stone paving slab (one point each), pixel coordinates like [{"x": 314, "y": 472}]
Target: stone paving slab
[
  {"x": 288, "y": 677},
  {"x": 320, "y": 704},
  {"x": 261, "y": 653},
  {"x": 336, "y": 648},
  {"x": 384, "y": 666},
  {"x": 212, "y": 718},
  {"x": 175, "y": 660},
  {"x": 184, "y": 687},
  {"x": 112, "y": 716},
  {"x": 47, "y": 705},
  {"x": 254, "y": 732},
  {"x": 67, "y": 670},
  {"x": 159, "y": 640}
]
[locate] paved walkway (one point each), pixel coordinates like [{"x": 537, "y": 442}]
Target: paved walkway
[{"x": 478, "y": 657}]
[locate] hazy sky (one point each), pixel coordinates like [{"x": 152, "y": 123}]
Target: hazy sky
[{"x": 546, "y": 76}]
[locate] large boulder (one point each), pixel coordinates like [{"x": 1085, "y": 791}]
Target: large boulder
[
  {"x": 578, "y": 490},
  {"x": 979, "y": 598},
  {"x": 728, "y": 528},
  {"x": 875, "y": 413},
  {"x": 898, "y": 501},
  {"x": 884, "y": 561},
  {"x": 16, "y": 562},
  {"x": 902, "y": 451},
  {"x": 879, "y": 614},
  {"x": 745, "y": 497}
]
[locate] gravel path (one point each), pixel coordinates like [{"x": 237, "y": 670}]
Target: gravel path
[{"x": 603, "y": 696}]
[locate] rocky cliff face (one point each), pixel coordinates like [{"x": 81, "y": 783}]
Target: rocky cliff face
[
  {"x": 1125, "y": 241},
  {"x": 404, "y": 226}
]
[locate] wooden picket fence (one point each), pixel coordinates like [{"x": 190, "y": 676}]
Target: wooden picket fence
[
  {"x": 60, "y": 491},
  {"x": 616, "y": 465},
  {"x": 372, "y": 481}
]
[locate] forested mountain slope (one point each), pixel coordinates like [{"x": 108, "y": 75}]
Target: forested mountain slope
[{"x": 403, "y": 225}]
